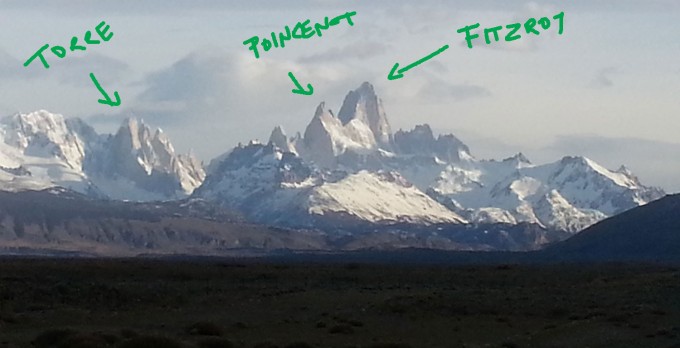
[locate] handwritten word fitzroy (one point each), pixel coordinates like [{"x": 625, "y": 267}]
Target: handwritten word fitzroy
[
  {"x": 514, "y": 30},
  {"x": 301, "y": 30}
]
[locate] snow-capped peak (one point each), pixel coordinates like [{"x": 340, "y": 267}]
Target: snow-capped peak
[
  {"x": 133, "y": 154},
  {"x": 44, "y": 134},
  {"x": 519, "y": 158},
  {"x": 421, "y": 141},
  {"x": 279, "y": 138},
  {"x": 364, "y": 105},
  {"x": 41, "y": 149},
  {"x": 326, "y": 138}
]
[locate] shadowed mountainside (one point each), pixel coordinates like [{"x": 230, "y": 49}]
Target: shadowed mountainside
[{"x": 650, "y": 232}]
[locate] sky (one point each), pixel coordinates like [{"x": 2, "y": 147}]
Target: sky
[{"x": 606, "y": 88}]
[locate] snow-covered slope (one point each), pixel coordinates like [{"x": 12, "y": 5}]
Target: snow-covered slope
[
  {"x": 41, "y": 149},
  {"x": 343, "y": 165},
  {"x": 570, "y": 194},
  {"x": 273, "y": 186}
]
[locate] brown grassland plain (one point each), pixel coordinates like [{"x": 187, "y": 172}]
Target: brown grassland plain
[{"x": 246, "y": 303}]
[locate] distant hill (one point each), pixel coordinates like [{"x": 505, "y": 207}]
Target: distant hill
[
  {"x": 650, "y": 232},
  {"x": 58, "y": 221}
]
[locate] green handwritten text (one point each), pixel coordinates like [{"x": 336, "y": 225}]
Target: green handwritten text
[
  {"x": 301, "y": 31},
  {"x": 514, "y": 30},
  {"x": 102, "y": 30}
]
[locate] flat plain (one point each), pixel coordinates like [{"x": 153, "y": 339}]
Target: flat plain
[{"x": 255, "y": 303}]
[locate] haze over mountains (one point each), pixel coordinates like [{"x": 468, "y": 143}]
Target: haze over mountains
[{"x": 349, "y": 174}]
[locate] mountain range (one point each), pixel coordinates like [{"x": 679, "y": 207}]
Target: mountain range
[
  {"x": 348, "y": 176},
  {"x": 351, "y": 167}
]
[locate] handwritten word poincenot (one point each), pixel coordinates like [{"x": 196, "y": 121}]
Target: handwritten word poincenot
[
  {"x": 530, "y": 26},
  {"x": 60, "y": 51},
  {"x": 301, "y": 30}
]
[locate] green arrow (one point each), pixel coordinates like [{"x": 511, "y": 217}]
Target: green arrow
[
  {"x": 299, "y": 89},
  {"x": 107, "y": 100},
  {"x": 397, "y": 73}
]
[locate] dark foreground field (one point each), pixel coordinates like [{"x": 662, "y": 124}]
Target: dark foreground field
[{"x": 95, "y": 303}]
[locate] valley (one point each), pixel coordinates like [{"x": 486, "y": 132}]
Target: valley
[{"x": 260, "y": 303}]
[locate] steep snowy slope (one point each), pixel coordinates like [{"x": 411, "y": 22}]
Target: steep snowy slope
[{"x": 41, "y": 149}]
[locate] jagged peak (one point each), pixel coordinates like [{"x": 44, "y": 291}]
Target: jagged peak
[
  {"x": 41, "y": 119},
  {"x": 624, "y": 170},
  {"x": 129, "y": 122},
  {"x": 38, "y": 114},
  {"x": 420, "y": 130},
  {"x": 279, "y": 130},
  {"x": 583, "y": 163},
  {"x": 362, "y": 104},
  {"x": 160, "y": 135},
  {"x": 278, "y": 137},
  {"x": 366, "y": 89},
  {"x": 137, "y": 128},
  {"x": 581, "y": 160},
  {"x": 519, "y": 157},
  {"x": 321, "y": 110},
  {"x": 365, "y": 93}
]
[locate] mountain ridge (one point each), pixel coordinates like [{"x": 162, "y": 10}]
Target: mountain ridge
[
  {"x": 569, "y": 194},
  {"x": 346, "y": 170},
  {"x": 41, "y": 149}
]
